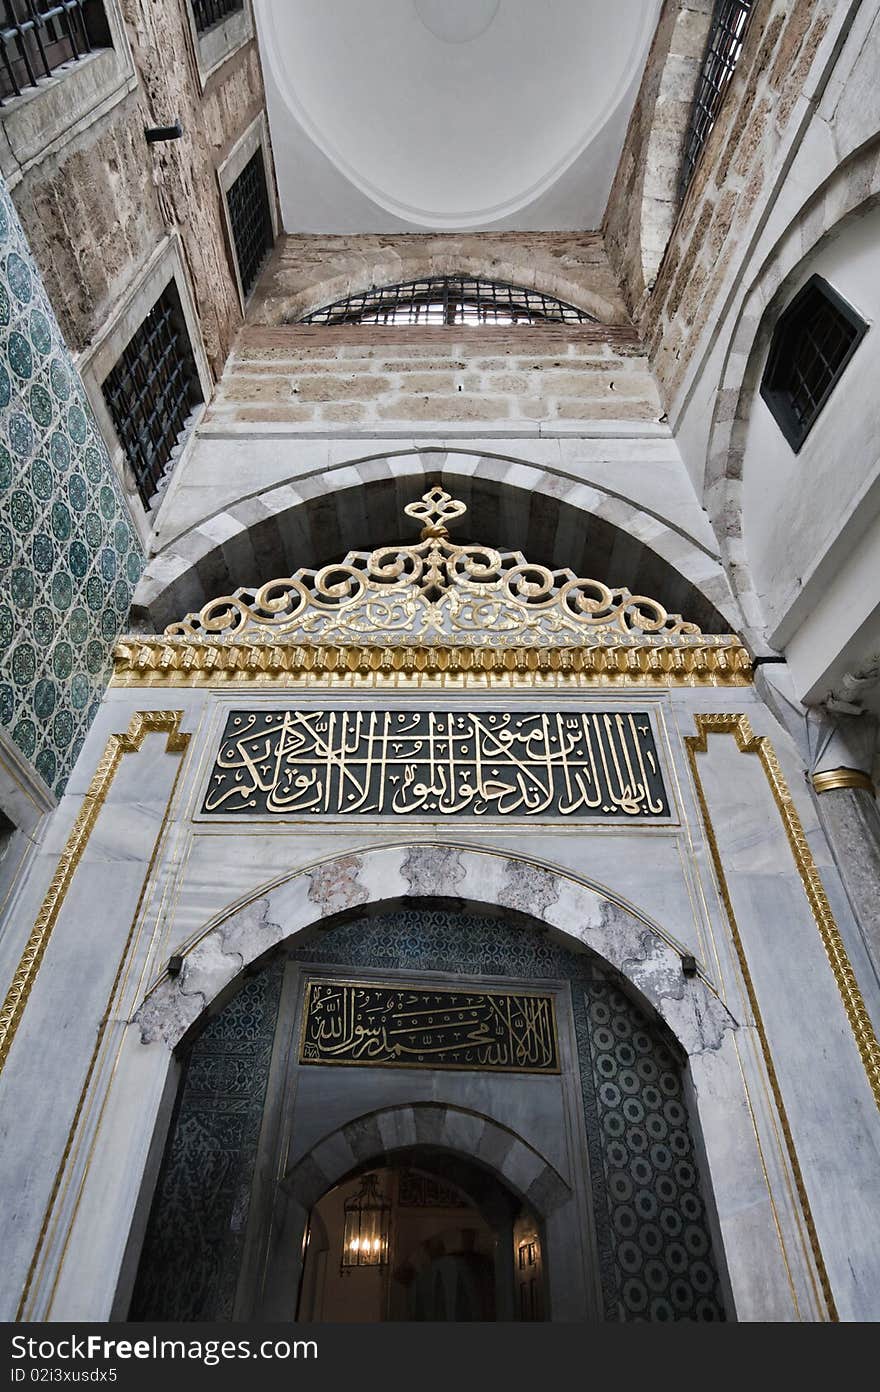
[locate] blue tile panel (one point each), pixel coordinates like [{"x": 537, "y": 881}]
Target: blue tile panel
[
  {"x": 654, "y": 1243},
  {"x": 69, "y": 553}
]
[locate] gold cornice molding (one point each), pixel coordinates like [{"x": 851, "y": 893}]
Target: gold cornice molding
[
  {"x": 143, "y": 723},
  {"x": 830, "y": 779},
  {"x": 704, "y": 660}
]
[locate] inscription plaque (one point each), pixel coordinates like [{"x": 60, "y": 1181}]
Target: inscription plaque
[
  {"x": 351, "y": 1022},
  {"x": 385, "y": 763}
]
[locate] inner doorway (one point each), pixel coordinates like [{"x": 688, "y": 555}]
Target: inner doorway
[{"x": 422, "y": 1236}]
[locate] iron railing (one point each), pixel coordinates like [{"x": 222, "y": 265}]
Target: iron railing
[
  {"x": 207, "y": 13},
  {"x": 251, "y": 219},
  {"x": 448, "y": 300},
  {"x": 152, "y": 392},
  {"x": 726, "y": 37},
  {"x": 37, "y": 37}
]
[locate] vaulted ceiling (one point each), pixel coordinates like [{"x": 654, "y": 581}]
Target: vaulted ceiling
[{"x": 433, "y": 115}]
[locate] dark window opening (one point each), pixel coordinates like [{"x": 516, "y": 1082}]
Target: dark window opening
[
  {"x": 37, "y": 37},
  {"x": 726, "y": 37},
  {"x": 7, "y": 834},
  {"x": 813, "y": 341},
  {"x": 251, "y": 219},
  {"x": 207, "y": 13},
  {"x": 449, "y": 300},
  {"x": 152, "y": 392}
]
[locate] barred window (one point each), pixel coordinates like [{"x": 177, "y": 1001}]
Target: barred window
[
  {"x": 726, "y": 37},
  {"x": 813, "y": 341},
  {"x": 152, "y": 392},
  {"x": 37, "y": 37},
  {"x": 251, "y": 220},
  {"x": 448, "y": 300},
  {"x": 207, "y": 13}
]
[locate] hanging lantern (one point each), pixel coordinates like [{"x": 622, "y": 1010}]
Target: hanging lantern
[{"x": 367, "y": 1226}]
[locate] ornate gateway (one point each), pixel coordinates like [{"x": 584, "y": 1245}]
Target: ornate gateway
[{"x": 434, "y": 608}]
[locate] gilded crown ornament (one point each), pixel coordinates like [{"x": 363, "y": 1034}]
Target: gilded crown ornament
[{"x": 436, "y": 591}]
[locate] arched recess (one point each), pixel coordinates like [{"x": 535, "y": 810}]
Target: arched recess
[
  {"x": 513, "y": 1127},
  {"x": 646, "y": 961},
  {"x": 340, "y": 269},
  {"x": 484, "y": 1159},
  {"x": 644, "y": 204},
  {"x": 850, "y": 192},
  {"x": 512, "y": 504}
]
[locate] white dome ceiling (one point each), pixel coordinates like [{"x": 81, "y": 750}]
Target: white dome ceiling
[{"x": 449, "y": 114}]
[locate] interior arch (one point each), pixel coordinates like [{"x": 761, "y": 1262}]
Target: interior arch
[{"x": 316, "y": 520}]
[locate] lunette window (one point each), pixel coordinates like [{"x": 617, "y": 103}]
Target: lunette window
[{"x": 448, "y": 300}]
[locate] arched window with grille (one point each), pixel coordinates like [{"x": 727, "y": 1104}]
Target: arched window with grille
[{"x": 448, "y": 300}]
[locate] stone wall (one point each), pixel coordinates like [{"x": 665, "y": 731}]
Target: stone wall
[
  {"x": 69, "y": 555},
  {"x": 307, "y": 272},
  {"x": 732, "y": 182},
  {"x": 96, "y": 208},
  {"x": 376, "y": 376},
  {"x": 643, "y": 203}
]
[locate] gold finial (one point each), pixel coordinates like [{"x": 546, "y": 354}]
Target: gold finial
[{"x": 435, "y": 509}]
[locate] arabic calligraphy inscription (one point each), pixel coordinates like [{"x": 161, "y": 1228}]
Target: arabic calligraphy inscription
[
  {"x": 415, "y": 1027},
  {"x": 395, "y": 763}
]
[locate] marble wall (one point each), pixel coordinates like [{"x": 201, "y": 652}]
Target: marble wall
[{"x": 69, "y": 554}]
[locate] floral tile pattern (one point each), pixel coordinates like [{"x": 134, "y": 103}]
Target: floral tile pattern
[{"x": 69, "y": 554}]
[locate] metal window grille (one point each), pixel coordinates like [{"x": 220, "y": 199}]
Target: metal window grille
[
  {"x": 37, "y": 37},
  {"x": 251, "y": 220},
  {"x": 449, "y": 300},
  {"x": 726, "y": 37},
  {"x": 152, "y": 392},
  {"x": 207, "y": 13},
  {"x": 814, "y": 340}
]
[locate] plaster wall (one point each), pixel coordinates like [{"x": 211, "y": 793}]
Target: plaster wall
[{"x": 797, "y": 506}]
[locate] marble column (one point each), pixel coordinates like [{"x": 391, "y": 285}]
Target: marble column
[{"x": 851, "y": 821}]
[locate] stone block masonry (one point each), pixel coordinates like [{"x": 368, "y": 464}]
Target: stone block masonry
[
  {"x": 95, "y": 209},
  {"x": 316, "y": 376}
]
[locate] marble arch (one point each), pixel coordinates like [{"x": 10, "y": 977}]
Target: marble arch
[
  {"x": 458, "y": 1131},
  {"x": 358, "y": 503},
  {"x": 642, "y": 955}
]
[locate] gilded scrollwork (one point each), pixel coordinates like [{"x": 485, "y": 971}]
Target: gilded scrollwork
[{"x": 435, "y": 591}]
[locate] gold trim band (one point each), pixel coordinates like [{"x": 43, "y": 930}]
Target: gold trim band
[
  {"x": 142, "y": 724},
  {"x": 829, "y": 779},
  {"x": 853, "y": 1002},
  {"x": 706, "y": 661},
  {"x": 749, "y": 743}
]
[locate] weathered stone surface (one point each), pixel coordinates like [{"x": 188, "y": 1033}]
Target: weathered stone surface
[
  {"x": 335, "y": 886},
  {"x": 96, "y": 210},
  {"x": 433, "y": 870}
]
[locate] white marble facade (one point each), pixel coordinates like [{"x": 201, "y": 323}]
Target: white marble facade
[{"x": 776, "y": 1101}]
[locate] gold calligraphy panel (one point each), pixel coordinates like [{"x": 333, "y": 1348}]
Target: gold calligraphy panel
[
  {"x": 417, "y": 1027},
  {"x": 438, "y": 763}
]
